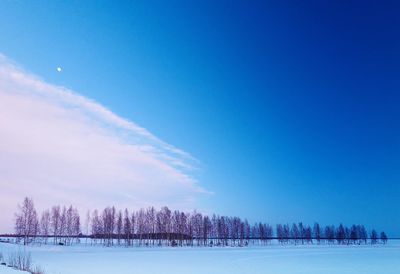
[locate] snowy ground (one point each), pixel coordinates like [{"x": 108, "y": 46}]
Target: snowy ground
[
  {"x": 9, "y": 270},
  {"x": 273, "y": 259}
]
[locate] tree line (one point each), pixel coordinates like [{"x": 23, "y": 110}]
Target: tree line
[{"x": 164, "y": 227}]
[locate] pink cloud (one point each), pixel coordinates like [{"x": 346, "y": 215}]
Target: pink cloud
[{"x": 60, "y": 147}]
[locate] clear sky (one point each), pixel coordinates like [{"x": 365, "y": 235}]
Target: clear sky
[{"x": 290, "y": 110}]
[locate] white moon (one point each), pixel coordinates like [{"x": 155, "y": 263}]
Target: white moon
[{"x": 59, "y": 69}]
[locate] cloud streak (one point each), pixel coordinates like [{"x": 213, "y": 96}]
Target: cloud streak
[{"x": 60, "y": 147}]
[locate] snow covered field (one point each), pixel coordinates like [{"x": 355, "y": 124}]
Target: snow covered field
[
  {"x": 273, "y": 259},
  {"x": 8, "y": 270}
]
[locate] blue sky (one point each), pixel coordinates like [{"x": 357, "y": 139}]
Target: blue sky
[{"x": 291, "y": 109}]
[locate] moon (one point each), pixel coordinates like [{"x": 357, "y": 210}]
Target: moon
[{"x": 59, "y": 69}]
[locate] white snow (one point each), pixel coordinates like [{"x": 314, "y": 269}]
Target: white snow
[
  {"x": 275, "y": 259},
  {"x": 9, "y": 270}
]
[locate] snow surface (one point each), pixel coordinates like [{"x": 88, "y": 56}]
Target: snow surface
[
  {"x": 9, "y": 270},
  {"x": 275, "y": 259}
]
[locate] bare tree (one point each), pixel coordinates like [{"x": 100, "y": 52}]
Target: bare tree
[
  {"x": 87, "y": 224},
  {"x": 166, "y": 223},
  {"x": 119, "y": 227},
  {"x": 97, "y": 227},
  {"x": 140, "y": 224},
  {"x": 69, "y": 224},
  {"x": 127, "y": 228},
  {"x": 76, "y": 223},
  {"x": 26, "y": 221},
  {"x": 163, "y": 227},
  {"x": 206, "y": 229},
  {"x": 55, "y": 222},
  {"x": 317, "y": 232},
  {"x": 302, "y": 232},
  {"x": 354, "y": 234},
  {"x": 384, "y": 238},
  {"x": 330, "y": 233},
  {"x": 340, "y": 234},
  {"x": 45, "y": 225},
  {"x": 63, "y": 224},
  {"x": 295, "y": 233},
  {"x": 108, "y": 221},
  {"x": 133, "y": 226},
  {"x": 160, "y": 227},
  {"x": 363, "y": 234},
  {"x": 308, "y": 234},
  {"x": 374, "y": 237},
  {"x": 150, "y": 223}
]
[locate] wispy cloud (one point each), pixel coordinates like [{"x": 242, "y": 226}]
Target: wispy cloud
[{"x": 60, "y": 147}]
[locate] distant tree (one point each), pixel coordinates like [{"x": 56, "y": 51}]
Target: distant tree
[
  {"x": 69, "y": 224},
  {"x": 165, "y": 223},
  {"x": 207, "y": 230},
  {"x": 286, "y": 233},
  {"x": 26, "y": 221},
  {"x": 214, "y": 229},
  {"x": 55, "y": 222},
  {"x": 76, "y": 224},
  {"x": 254, "y": 234},
  {"x": 347, "y": 238},
  {"x": 151, "y": 223},
  {"x": 363, "y": 234},
  {"x": 302, "y": 232},
  {"x": 112, "y": 221},
  {"x": 119, "y": 227},
  {"x": 163, "y": 227},
  {"x": 45, "y": 225},
  {"x": 308, "y": 234},
  {"x": 97, "y": 227},
  {"x": 247, "y": 230},
  {"x": 197, "y": 222},
  {"x": 223, "y": 230},
  {"x": 63, "y": 224},
  {"x": 354, "y": 234},
  {"x": 127, "y": 228},
  {"x": 159, "y": 227},
  {"x": 183, "y": 228},
  {"x": 279, "y": 233},
  {"x": 133, "y": 226},
  {"x": 140, "y": 225},
  {"x": 87, "y": 222},
  {"x": 261, "y": 232},
  {"x": 108, "y": 222},
  {"x": 330, "y": 233},
  {"x": 269, "y": 232},
  {"x": 235, "y": 229},
  {"x": 384, "y": 238},
  {"x": 340, "y": 234},
  {"x": 317, "y": 232},
  {"x": 295, "y": 233},
  {"x": 374, "y": 237}
]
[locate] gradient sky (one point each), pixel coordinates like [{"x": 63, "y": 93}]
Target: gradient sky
[{"x": 291, "y": 110}]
